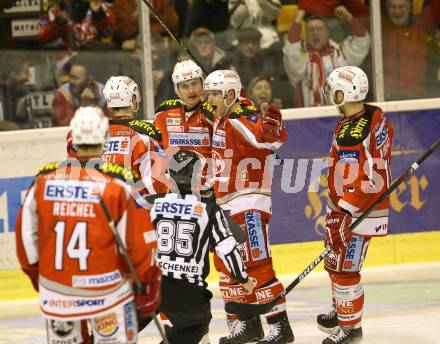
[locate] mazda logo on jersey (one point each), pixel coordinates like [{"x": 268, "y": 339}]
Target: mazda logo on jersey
[
  {"x": 256, "y": 236},
  {"x": 73, "y": 190},
  {"x": 92, "y": 281}
]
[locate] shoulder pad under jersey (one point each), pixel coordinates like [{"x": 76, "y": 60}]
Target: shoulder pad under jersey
[
  {"x": 248, "y": 111},
  {"x": 355, "y": 131},
  {"x": 168, "y": 105},
  {"x": 208, "y": 111},
  {"x": 118, "y": 172},
  {"x": 149, "y": 200},
  {"x": 48, "y": 168},
  {"x": 146, "y": 128}
]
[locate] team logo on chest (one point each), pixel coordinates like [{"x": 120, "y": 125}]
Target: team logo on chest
[
  {"x": 118, "y": 145},
  {"x": 218, "y": 164}
]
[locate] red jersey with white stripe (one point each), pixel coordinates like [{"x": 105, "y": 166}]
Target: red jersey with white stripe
[
  {"x": 63, "y": 228},
  {"x": 185, "y": 130},
  {"x": 242, "y": 160},
  {"x": 359, "y": 168}
]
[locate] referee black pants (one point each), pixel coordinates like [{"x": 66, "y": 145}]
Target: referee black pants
[{"x": 188, "y": 307}]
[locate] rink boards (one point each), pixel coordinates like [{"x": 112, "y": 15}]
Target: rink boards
[{"x": 298, "y": 209}]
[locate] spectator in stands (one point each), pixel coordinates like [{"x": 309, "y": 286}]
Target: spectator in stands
[
  {"x": 326, "y": 8},
  {"x": 309, "y": 62},
  {"x": 248, "y": 58},
  {"x": 127, "y": 18},
  {"x": 13, "y": 89},
  {"x": 433, "y": 74},
  {"x": 257, "y": 14},
  {"x": 405, "y": 39},
  {"x": 212, "y": 14},
  {"x": 75, "y": 24},
  {"x": 210, "y": 56},
  {"x": 259, "y": 90},
  {"x": 80, "y": 90}
]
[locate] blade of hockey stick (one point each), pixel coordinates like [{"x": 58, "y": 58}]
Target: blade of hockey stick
[
  {"x": 137, "y": 280},
  {"x": 248, "y": 310}
]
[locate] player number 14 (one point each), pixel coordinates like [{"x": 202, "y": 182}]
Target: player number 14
[{"x": 75, "y": 249}]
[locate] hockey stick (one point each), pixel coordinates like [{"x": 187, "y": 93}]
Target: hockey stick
[
  {"x": 127, "y": 259},
  {"x": 173, "y": 36},
  {"x": 248, "y": 310}
]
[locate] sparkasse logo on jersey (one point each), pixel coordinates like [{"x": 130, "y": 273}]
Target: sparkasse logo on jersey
[
  {"x": 256, "y": 235},
  {"x": 189, "y": 139},
  {"x": 73, "y": 191}
]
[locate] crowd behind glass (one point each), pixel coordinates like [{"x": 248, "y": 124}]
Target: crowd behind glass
[{"x": 57, "y": 54}]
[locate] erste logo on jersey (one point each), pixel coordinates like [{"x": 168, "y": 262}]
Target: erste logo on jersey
[
  {"x": 189, "y": 139},
  {"x": 219, "y": 139},
  {"x": 256, "y": 236},
  {"x": 118, "y": 145},
  {"x": 381, "y": 135},
  {"x": 73, "y": 191},
  {"x": 178, "y": 207}
]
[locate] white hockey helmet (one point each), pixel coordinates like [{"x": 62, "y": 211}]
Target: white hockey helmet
[
  {"x": 119, "y": 91},
  {"x": 89, "y": 126},
  {"x": 185, "y": 71},
  {"x": 224, "y": 81},
  {"x": 352, "y": 81}
]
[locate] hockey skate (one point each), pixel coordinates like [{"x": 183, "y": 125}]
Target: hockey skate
[
  {"x": 345, "y": 336},
  {"x": 328, "y": 323},
  {"x": 244, "y": 331},
  {"x": 279, "y": 333}
]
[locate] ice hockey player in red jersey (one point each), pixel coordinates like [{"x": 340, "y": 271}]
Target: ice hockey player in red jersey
[
  {"x": 242, "y": 152},
  {"x": 186, "y": 122},
  {"x": 359, "y": 172},
  {"x": 133, "y": 143},
  {"x": 66, "y": 247}
]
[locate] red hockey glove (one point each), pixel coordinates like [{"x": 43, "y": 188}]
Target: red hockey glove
[
  {"x": 148, "y": 303},
  {"x": 33, "y": 272},
  {"x": 272, "y": 119},
  {"x": 337, "y": 230}
]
